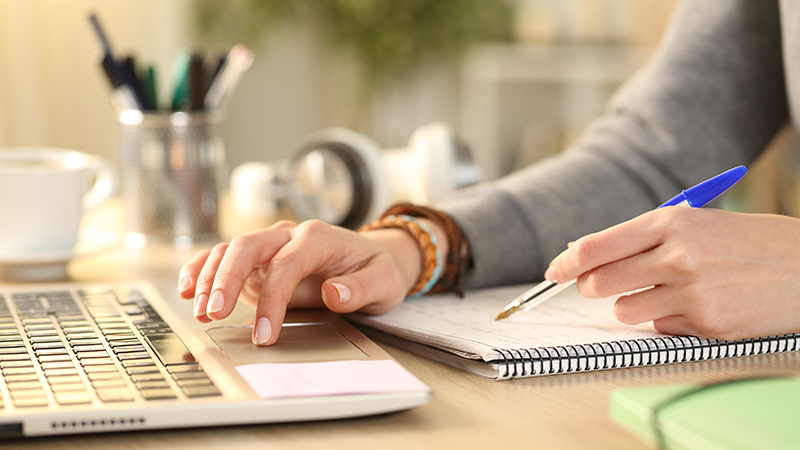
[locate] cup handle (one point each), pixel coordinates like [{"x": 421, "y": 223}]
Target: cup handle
[{"x": 105, "y": 184}]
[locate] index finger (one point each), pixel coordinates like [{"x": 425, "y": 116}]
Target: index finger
[
  {"x": 244, "y": 253},
  {"x": 187, "y": 278},
  {"x": 618, "y": 242}
]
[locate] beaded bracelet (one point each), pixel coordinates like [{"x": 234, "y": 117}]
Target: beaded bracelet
[
  {"x": 432, "y": 260},
  {"x": 459, "y": 256}
]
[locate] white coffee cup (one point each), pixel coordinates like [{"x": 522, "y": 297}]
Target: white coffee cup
[{"x": 44, "y": 193}]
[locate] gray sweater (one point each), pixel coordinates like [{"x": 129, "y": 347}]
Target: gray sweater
[{"x": 718, "y": 89}]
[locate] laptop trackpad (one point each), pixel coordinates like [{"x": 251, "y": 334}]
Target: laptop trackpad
[{"x": 298, "y": 342}]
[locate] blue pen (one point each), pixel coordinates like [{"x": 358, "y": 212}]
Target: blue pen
[{"x": 695, "y": 197}]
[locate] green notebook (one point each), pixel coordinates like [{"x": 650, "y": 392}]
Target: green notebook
[{"x": 746, "y": 414}]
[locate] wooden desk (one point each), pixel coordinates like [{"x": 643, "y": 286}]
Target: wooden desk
[{"x": 562, "y": 411}]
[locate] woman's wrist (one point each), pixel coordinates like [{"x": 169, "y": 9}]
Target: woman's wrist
[
  {"x": 406, "y": 251},
  {"x": 443, "y": 250},
  {"x": 403, "y": 249}
]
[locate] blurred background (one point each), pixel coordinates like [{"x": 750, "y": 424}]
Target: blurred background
[{"x": 518, "y": 79}]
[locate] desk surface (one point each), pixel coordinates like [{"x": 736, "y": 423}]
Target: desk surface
[{"x": 467, "y": 411}]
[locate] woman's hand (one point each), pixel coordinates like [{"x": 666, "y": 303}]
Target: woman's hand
[
  {"x": 714, "y": 273},
  {"x": 311, "y": 264}
]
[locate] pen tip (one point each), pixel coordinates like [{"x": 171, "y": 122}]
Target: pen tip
[{"x": 506, "y": 313}]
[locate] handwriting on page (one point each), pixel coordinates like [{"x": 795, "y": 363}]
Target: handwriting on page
[
  {"x": 285, "y": 380},
  {"x": 565, "y": 320}
]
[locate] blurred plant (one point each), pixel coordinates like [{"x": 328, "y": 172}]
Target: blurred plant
[{"x": 389, "y": 37}]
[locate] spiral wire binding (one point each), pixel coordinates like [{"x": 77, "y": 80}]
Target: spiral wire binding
[{"x": 522, "y": 362}]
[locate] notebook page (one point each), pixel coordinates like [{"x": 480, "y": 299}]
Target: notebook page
[{"x": 467, "y": 326}]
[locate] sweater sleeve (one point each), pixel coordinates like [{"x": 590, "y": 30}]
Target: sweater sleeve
[{"x": 711, "y": 98}]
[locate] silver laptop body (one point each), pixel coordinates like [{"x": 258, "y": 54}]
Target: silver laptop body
[{"x": 90, "y": 357}]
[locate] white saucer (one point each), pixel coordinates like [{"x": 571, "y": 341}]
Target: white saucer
[
  {"x": 44, "y": 266},
  {"x": 37, "y": 258}
]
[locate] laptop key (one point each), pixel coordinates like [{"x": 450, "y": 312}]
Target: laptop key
[
  {"x": 90, "y": 341},
  {"x": 114, "y": 394},
  {"x": 29, "y": 393},
  {"x": 138, "y": 363},
  {"x": 124, "y": 343},
  {"x": 63, "y": 379},
  {"x": 17, "y": 342},
  {"x": 29, "y": 402},
  {"x": 95, "y": 362},
  {"x": 142, "y": 370},
  {"x": 129, "y": 349},
  {"x": 15, "y": 364},
  {"x": 91, "y": 354},
  {"x": 74, "y": 323},
  {"x": 20, "y": 377},
  {"x": 50, "y": 351},
  {"x": 152, "y": 384},
  {"x": 150, "y": 376},
  {"x": 120, "y": 337},
  {"x": 77, "y": 336},
  {"x": 87, "y": 348},
  {"x": 170, "y": 349},
  {"x": 108, "y": 383},
  {"x": 70, "y": 318},
  {"x": 133, "y": 355},
  {"x": 57, "y": 365},
  {"x": 38, "y": 333},
  {"x": 100, "y": 368},
  {"x": 9, "y": 332},
  {"x": 60, "y": 372},
  {"x": 157, "y": 393},
  {"x": 94, "y": 376},
  {"x": 189, "y": 375},
  {"x": 53, "y": 358},
  {"x": 73, "y": 398},
  {"x": 67, "y": 387},
  {"x": 39, "y": 326},
  {"x": 12, "y": 351},
  {"x": 24, "y": 385},
  {"x": 18, "y": 370},
  {"x": 78, "y": 329},
  {"x": 185, "y": 368},
  {"x": 112, "y": 331},
  {"x": 48, "y": 345},
  {"x": 195, "y": 382},
  {"x": 200, "y": 391}
]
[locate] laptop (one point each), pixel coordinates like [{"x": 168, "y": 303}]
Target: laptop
[{"x": 102, "y": 357}]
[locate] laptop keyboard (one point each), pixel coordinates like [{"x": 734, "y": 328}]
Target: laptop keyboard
[{"x": 94, "y": 345}]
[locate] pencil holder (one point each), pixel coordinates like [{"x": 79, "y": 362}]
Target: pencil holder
[{"x": 173, "y": 165}]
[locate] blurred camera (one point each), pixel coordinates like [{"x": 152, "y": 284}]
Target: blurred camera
[{"x": 345, "y": 178}]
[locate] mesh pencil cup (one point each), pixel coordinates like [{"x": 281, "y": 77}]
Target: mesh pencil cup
[{"x": 173, "y": 165}]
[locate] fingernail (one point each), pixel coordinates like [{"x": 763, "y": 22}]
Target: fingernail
[
  {"x": 569, "y": 244},
  {"x": 217, "y": 303},
  {"x": 200, "y": 305},
  {"x": 344, "y": 292},
  {"x": 185, "y": 284},
  {"x": 263, "y": 331},
  {"x": 550, "y": 275}
]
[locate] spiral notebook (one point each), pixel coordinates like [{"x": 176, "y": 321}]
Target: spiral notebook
[{"x": 567, "y": 334}]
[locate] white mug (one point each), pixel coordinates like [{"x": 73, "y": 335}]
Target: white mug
[{"x": 44, "y": 193}]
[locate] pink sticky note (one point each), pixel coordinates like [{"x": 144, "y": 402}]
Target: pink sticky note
[{"x": 315, "y": 379}]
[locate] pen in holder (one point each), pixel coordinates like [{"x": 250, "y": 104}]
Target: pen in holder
[{"x": 173, "y": 165}]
